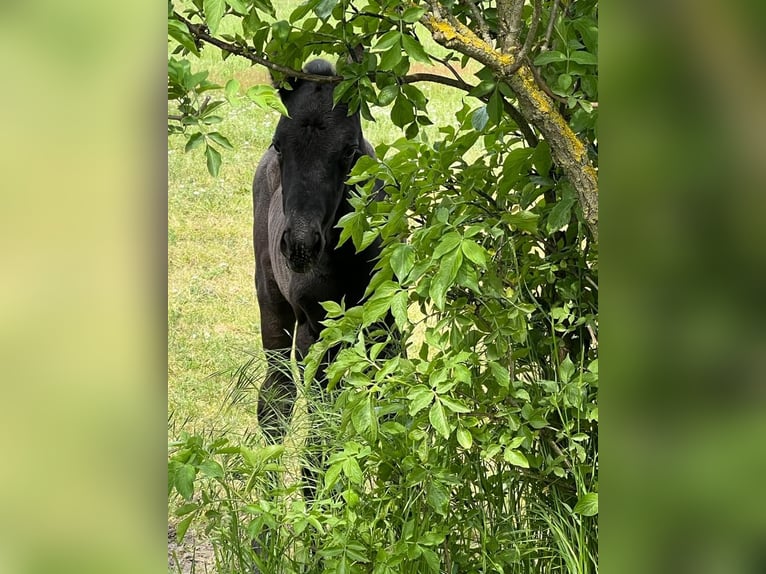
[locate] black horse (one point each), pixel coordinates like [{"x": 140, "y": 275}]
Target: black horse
[{"x": 299, "y": 194}]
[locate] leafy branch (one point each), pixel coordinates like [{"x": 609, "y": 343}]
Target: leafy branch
[{"x": 201, "y": 33}]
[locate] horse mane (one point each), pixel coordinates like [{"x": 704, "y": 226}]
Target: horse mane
[{"x": 320, "y": 68}]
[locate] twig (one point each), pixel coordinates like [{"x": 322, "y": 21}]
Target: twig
[
  {"x": 176, "y": 118},
  {"x": 514, "y": 24},
  {"x": 447, "y": 557},
  {"x": 544, "y": 86},
  {"x": 450, "y": 67},
  {"x": 531, "y": 33},
  {"x": 199, "y": 31},
  {"x": 437, "y": 79},
  {"x": 558, "y": 452},
  {"x": 476, "y": 13},
  {"x": 516, "y": 116},
  {"x": 549, "y": 30}
]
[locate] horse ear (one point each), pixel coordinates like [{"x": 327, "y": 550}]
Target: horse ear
[
  {"x": 355, "y": 55},
  {"x": 285, "y": 85}
]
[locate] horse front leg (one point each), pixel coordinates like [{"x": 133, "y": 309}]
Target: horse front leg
[
  {"x": 316, "y": 441},
  {"x": 277, "y": 396},
  {"x": 278, "y": 390}
]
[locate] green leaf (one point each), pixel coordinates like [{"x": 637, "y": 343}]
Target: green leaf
[
  {"x": 402, "y": 260},
  {"x": 239, "y": 6},
  {"x": 413, "y": 14},
  {"x": 437, "y": 290},
  {"x": 186, "y": 509},
  {"x": 402, "y": 113},
  {"x": 438, "y": 419},
  {"x": 332, "y": 474},
  {"x": 324, "y": 8},
  {"x": 516, "y": 458},
  {"x": 386, "y": 41},
  {"x": 566, "y": 369},
  {"x": 352, "y": 470},
  {"x": 583, "y": 58},
  {"x": 390, "y": 59},
  {"x": 270, "y": 452},
  {"x": 438, "y": 496},
  {"x": 522, "y": 220},
  {"x": 455, "y": 405},
  {"x": 560, "y": 214},
  {"x": 231, "y": 90},
  {"x": 281, "y": 29},
  {"x": 464, "y": 438},
  {"x": 447, "y": 244},
  {"x": 565, "y": 82},
  {"x": 211, "y": 468},
  {"x": 495, "y": 107},
  {"x": 432, "y": 559},
  {"x": 266, "y": 97},
  {"x": 213, "y": 13},
  {"x": 184, "y": 480},
  {"x": 479, "y": 118},
  {"x": 388, "y": 95},
  {"x": 474, "y": 252},
  {"x": 587, "y": 505},
  {"x": 180, "y": 33},
  {"x": 415, "y": 50},
  {"x": 420, "y": 397},
  {"x": 182, "y": 527},
  {"x": 361, "y": 416},
  {"x": 399, "y": 309},
  {"x": 549, "y": 57},
  {"x": 194, "y": 141},
  {"x": 375, "y": 308},
  {"x": 484, "y": 88},
  {"x": 500, "y": 373},
  {"x": 221, "y": 140},
  {"x": 541, "y": 159},
  {"x": 213, "y": 160}
]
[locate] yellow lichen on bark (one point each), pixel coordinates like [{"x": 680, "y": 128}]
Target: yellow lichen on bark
[{"x": 446, "y": 34}]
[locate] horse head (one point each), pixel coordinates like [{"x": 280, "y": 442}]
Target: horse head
[{"x": 317, "y": 145}]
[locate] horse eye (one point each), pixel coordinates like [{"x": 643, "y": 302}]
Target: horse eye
[{"x": 350, "y": 152}]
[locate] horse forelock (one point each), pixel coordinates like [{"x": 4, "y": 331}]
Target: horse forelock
[{"x": 315, "y": 123}]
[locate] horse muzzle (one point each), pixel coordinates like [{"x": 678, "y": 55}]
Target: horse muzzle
[{"x": 301, "y": 248}]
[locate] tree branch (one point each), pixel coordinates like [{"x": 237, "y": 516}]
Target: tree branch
[
  {"x": 480, "y": 22},
  {"x": 514, "y": 25},
  {"x": 536, "y": 107},
  {"x": 199, "y": 31},
  {"x": 526, "y": 130},
  {"x": 531, "y": 33},
  {"x": 549, "y": 30},
  {"x": 446, "y": 63}
]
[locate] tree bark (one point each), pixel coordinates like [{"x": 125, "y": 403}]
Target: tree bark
[{"x": 537, "y": 108}]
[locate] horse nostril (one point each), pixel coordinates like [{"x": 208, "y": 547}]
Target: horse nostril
[{"x": 283, "y": 243}]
